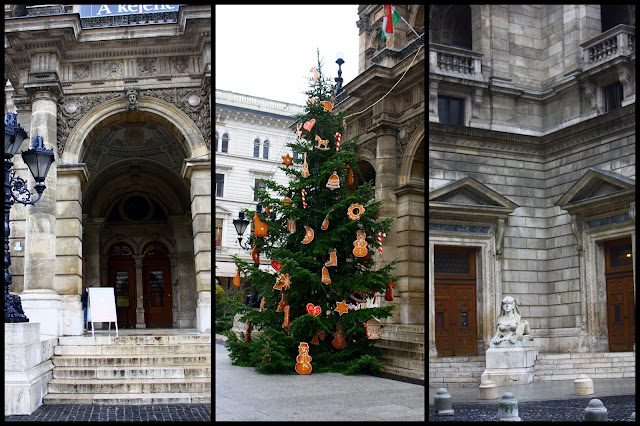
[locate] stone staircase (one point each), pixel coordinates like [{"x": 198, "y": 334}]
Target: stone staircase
[
  {"x": 131, "y": 369},
  {"x": 460, "y": 371},
  {"x": 598, "y": 365},
  {"x": 403, "y": 350}
]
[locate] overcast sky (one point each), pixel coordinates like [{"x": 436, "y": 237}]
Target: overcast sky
[{"x": 268, "y": 50}]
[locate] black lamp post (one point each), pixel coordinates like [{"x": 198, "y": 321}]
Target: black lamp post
[
  {"x": 339, "y": 61},
  {"x": 38, "y": 159},
  {"x": 241, "y": 225}
]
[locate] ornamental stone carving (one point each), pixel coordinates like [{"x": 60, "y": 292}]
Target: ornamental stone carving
[
  {"x": 511, "y": 327},
  {"x": 81, "y": 71},
  {"x": 180, "y": 65},
  {"x": 147, "y": 67},
  {"x": 132, "y": 98},
  {"x": 113, "y": 70}
]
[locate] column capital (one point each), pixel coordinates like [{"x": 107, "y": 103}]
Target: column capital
[
  {"x": 80, "y": 170},
  {"x": 45, "y": 89},
  {"x": 195, "y": 164}
]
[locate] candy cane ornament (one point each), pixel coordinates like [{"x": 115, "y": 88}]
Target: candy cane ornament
[
  {"x": 338, "y": 136},
  {"x": 380, "y": 235},
  {"x": 304, "y": 195}
]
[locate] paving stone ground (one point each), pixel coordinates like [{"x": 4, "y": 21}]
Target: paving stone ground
[{"x": 117, "y": 413}]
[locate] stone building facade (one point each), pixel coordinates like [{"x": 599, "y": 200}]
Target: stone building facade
[
  {"x": 250, "y": 139},
  {"x": 125, "y": 103},
  {"x": 532, "y": 177},
  {"x": 391, "y": 146}
]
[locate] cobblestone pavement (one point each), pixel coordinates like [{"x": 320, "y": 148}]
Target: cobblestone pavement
[
  {"x": 117, "y": 413},
  {"x": 619, "y": 408}
]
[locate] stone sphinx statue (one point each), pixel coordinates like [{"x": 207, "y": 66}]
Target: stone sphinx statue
[{"x": 510, "y": 326}]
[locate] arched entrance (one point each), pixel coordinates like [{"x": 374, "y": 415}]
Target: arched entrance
[
  {"x": 157, "y": 289},
  {"x": 138, "y": 196}
]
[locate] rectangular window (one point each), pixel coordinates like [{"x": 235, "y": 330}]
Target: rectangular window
[
  {"x": 612, "y": 97},
  {"x": 259, "y": 185},
  {"x": 219, "y": 223},
  {"x": 219, "y": 185},
  {"x": 451, "y": 110}
]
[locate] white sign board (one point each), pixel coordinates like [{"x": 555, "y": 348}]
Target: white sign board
[{"x": 101, "y": 306}]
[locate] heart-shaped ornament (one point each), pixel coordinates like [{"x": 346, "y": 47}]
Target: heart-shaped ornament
[
  {"x": 309, "y": 124},
  {"x": 276, "y": 265},
  {"x": 314, "y": 310}
]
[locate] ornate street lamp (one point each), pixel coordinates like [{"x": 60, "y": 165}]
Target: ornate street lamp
[
  {"x": 38, "y": 159},
  {"x": 241, "y": 225},
  {"x": 338, "y": 79}
]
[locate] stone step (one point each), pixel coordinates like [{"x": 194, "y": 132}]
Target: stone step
[
  {"x": 74, "y": 386},
  {"x": 574, "y": 375},
  {"x": 117, "y": 349},
  {"x": 404, "y": 328},
  {"x": 403, "y": 363},
  {"x": 401, "y": 336},
  {"x": 134, "y": 340},
  {"x": 132, "y": 360},
  {"x": 401, "y": 351},
  {"x": 400, "y": 345},
  {"x": 127, "y": 398},
  {"x": 459, "y": 359},
  {"x": 151, "y": 372},
  {"x": 399, "y": 371}
]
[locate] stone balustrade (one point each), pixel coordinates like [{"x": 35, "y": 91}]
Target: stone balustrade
[
  {"x": 455, "y": 62},
  {"x": 613, "y": 43}
]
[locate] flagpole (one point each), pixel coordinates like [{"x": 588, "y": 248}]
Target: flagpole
[{"x": 405, "y": 21}]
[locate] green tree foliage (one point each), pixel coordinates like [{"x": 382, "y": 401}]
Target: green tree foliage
[{"x": 275, "y": 350}]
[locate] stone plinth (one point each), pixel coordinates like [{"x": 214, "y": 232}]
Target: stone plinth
[
  {"x": 510, "y": 365},
  {"x": 583, "y": 385},
  {"x": 28, "y": 367},
  {"x": 488, "y": 390}
]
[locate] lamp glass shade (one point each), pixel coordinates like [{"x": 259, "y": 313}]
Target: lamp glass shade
[
  {"x": 240, "y": 224},
  {"x": 14, "y": 134},
  {"x": 38, "y": 159}
]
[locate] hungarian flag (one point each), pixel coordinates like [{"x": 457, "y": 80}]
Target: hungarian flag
[{"x": 391, "y": 17}]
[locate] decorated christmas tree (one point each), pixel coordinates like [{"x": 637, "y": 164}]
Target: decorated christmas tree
[{"x": 318, "y": 304}]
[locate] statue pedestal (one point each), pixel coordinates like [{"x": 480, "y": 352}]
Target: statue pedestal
[{"x": 510, "y": 363}]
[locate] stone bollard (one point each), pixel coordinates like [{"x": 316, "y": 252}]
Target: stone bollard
[
  {"x": 632, "y": 418},
  {"x": 508, "y": 408},
  {"x": 583, "y": 385},
  {"x": 595, "y": 411},
  {"x": 488, "y": 390},
  {"x": 442, "y": 403}
]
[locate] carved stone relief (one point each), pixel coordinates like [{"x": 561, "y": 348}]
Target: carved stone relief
[
  {"x": 113, "y": 70},
  {"x": 81, "y": 71},
  {"x": 147, "y": 67},
  {"x": 180, "y": 65}
]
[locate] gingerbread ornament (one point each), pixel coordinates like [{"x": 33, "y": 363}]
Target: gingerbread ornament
[
  {"x": 325, "y": 222},
  {"x": 355, "y": 210},
  {"x": 322, "y": 143},
  {"x": 308, "y": 236},
  {"x": 373, "y": 329},
  {"x": 305, "y": 167},
  {"x": 281, "y": 304},
  {"x": 287, "y": 160},
  {"x": 261, "y": 229},
  {"x": 342, "y": 308},
  {"x": 291, "y": 226},
  {"x": 236, "y": 279},
  {"x": 286, "y": 324},
  {"x": 334, "y": 181},
  {"x": 339, "y": 341},
  {"x": 325, "y": 276},
  {"x": 333, "y": 258},
  {"x": 303, "y": 360},
  {"x": 360, "y": 249}
]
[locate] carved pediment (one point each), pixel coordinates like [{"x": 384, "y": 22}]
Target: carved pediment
[
  {"x": 223, "y": 211},
  {"x": 598, "y": 192},
  {"x": 469, "y": 198}
]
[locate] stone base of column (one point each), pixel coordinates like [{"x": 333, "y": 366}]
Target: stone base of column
[
  {"x": 140, "y": 318},
  {"x": 44, "y": 306},
  {"x": 72, "y": 315},
  {"x": 411, "y": 309},
  {"x": 512, "y": 365},
  {"x": 203, "y": 312},
  {"x": 28, "y": 367}
]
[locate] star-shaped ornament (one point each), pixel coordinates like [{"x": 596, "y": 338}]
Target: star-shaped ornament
[
  {"x": 342, "y": 308},
  {"x": 287, "y": 160}
]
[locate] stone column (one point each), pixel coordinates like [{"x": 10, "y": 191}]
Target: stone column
[
  {"x": 410, "y": 266},
  {"x": 198, "y": 171},
  {"x": 386, "y": 183},
  {"x": 68, "y": 279},
  {"x": 138, "y": 258},
  {"x": 40, "y": 299},
  {"x": 186, "y": 296},
  {"x": 91, "y": 249}
]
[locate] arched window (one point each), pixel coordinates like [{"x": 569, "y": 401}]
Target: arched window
[
  {"x": 451, "y": 25},
  {"x": 256, "y": 148},
  {"x": 225, "y": 142},
  {"x": 615, "y": 14},
  {"x": 217, "y": 141},
  {"x": 265, "y": 149}
]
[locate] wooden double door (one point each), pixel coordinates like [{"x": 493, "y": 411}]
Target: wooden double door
[
  {"x": 455, "y": 301},
  {"x": 621, "y": 307},
  {"x": 156, "y": 287}
]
